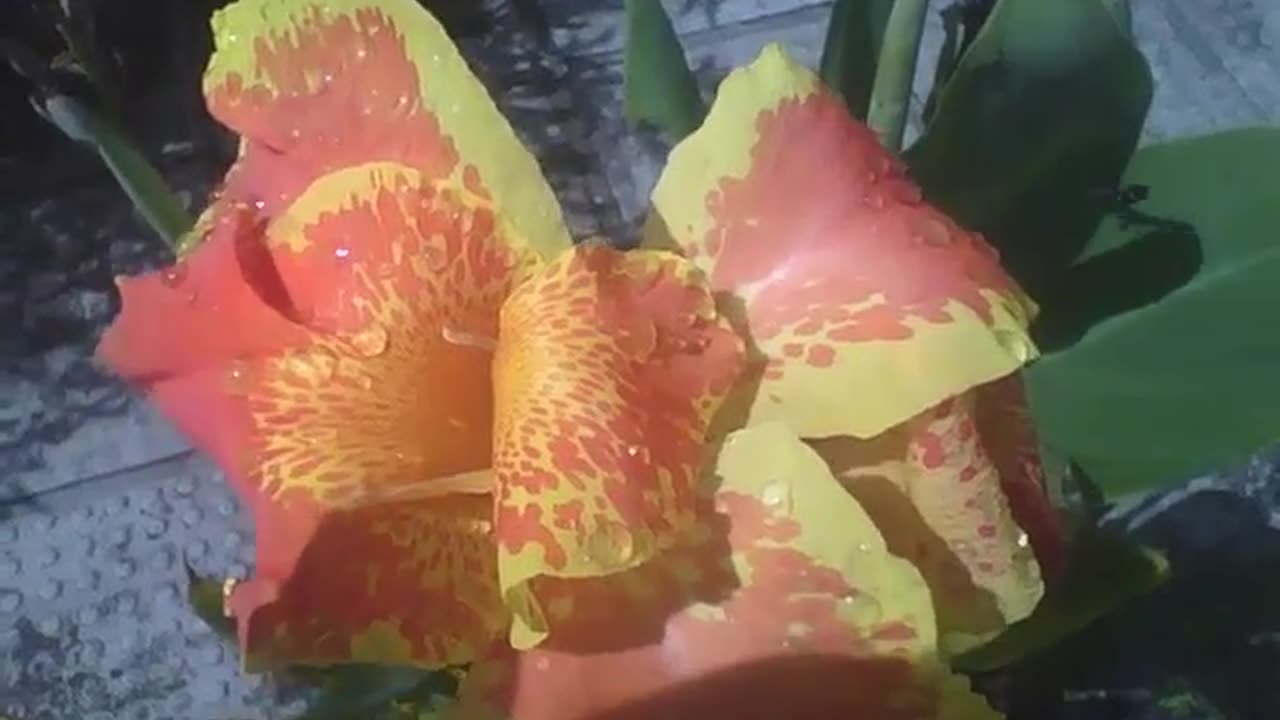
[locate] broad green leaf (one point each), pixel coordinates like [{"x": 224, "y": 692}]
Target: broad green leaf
[
  {"x": 960, "y": 25},
  {"x": 1041, "y": 115},
  {"x": 1187, "y": 384},
  {"x": 659, "y": 86},
  {"x": 855, "y": 34},
  {"x": 205, "y": 597},
  {"x": 1104, "y": 571}
]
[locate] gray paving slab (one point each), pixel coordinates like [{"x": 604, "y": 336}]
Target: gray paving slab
[{"x": 100, "y": 500}]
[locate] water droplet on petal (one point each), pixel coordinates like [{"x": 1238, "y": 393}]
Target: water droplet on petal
[
  {"x": 342, "y": 252},
  {"x": 1016, "y": 344},
  {"x": 874, "y": 199},
  {"x": 371, "y": 341},
  {"x": 931, "y": 232},
  {"x": 174, "y": 275},
  {"x": 238, "y": 377},
  {"x": 611, "y": 545},
  {"x": 865, "y": 608},
  {"x": 1023, "y": 540},
  {"x": 776, "y": 495}
]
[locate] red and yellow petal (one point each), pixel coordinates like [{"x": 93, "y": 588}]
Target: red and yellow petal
[
  {"x": 390, "y": 400},
  {"x": 405, "y": 583},
  {"x": 936, "y": 487},
  {"x": 317, "y": 86},
  {"x": 822, "y": 621},
  {"x": 609, "y": 368},
  {"x": 868, "y": 304}
]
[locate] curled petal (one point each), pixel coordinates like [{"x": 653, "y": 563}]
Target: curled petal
[
  {"x": 404, "y": 583},
  {"x": 937, "y": 491},
  {"x": 315, "y": 86},
  {"x": 390, "y": 402},
  {"x": 823, "y": 622},
  {"x": 868, "y": 305},
  {"x": 609, "y": 368}
]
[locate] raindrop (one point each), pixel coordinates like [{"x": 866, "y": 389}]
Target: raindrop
[
  {"x": 174, "y": 275},
  {"x": 775, "y": 495},
  {"x": 259, "y": 204},
  {"x": 238, "y": 380},
  {"x": 371, "y": 341},
  {"x": 342, "y": 252},
  {"x": 1023, "y": 540},
  {"x": 874, "y": 199},
  {"x": 1016, "y": 344},
  {"x": 932, "y": 233},
  {"x": 865, "y": 608},
  {"x": 611, "y": 545},
  {"x": 361, "y": 53},
  {"x": 638, "y": 452}
]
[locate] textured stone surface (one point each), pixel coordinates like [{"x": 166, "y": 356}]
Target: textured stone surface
[{"x": 100, "y": 500}]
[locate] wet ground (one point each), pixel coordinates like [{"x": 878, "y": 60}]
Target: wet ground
[{"x": 100, "y": 502}]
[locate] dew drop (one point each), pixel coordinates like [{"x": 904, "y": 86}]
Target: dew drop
[
  {"x": 174, "y": 275},
  {"x": 1023, "y": 540},
  {"x": 361, "y": 53},
  {"x": 342, "y": 252},
  {"x": 611, "y": 545},
  {"x": 1016, "y": 344},
  {"x": 238, "y": 377},
  {"x": 864, "y": 607},
  {"x": 775, "y": 495},
  {"x": 874, "y": 199},
  {"x": 372, "y": 341},
  {"x": 932, "y": 233},
  {"x": 639, "y": 453}
]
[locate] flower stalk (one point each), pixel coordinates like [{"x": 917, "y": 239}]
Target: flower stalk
[{"x": 891, "y": 93}]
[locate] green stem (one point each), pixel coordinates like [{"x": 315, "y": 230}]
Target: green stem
[
  {"x": 142, "y": 182},
  {"x": 891, "y": 93}
]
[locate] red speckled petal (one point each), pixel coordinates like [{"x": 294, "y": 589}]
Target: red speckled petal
[
  {"x": 395, "y": 404},
  {"x": 407, "y": 583},
  {"x": 609, "y": 369},
  {"x": 936, "y": 491},
  {"x": 1008, "y": 433},
  {"x": 817, "y": 619},
  {"x": 316, "y": 86},
  {"x": 869, "y": 305}
]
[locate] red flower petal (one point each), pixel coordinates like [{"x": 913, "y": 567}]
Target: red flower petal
[{"x": 609, "y": 369}]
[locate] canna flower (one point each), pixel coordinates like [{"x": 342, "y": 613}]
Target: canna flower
[
  {"x": 910, "y": 522},
  {"x": 779, "y": 454},
  {"x": 424, "y": 393}
]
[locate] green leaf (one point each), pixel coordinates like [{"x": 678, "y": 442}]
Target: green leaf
[
  {"x": 1186, "y": 384},
  {"x": 658, "y": 85},
  {"x": 355, "y": 692},
  {"x": 855, "y": 35},
  {"x": 138, "y": 178},
  {"x": 1104, "y": 572},
  {"x": 1123, "y": 13},
  {"x": 961, "y": 22},
  {"x": 1042, "y": 113},
  {"x": 205, "y": 596}
]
